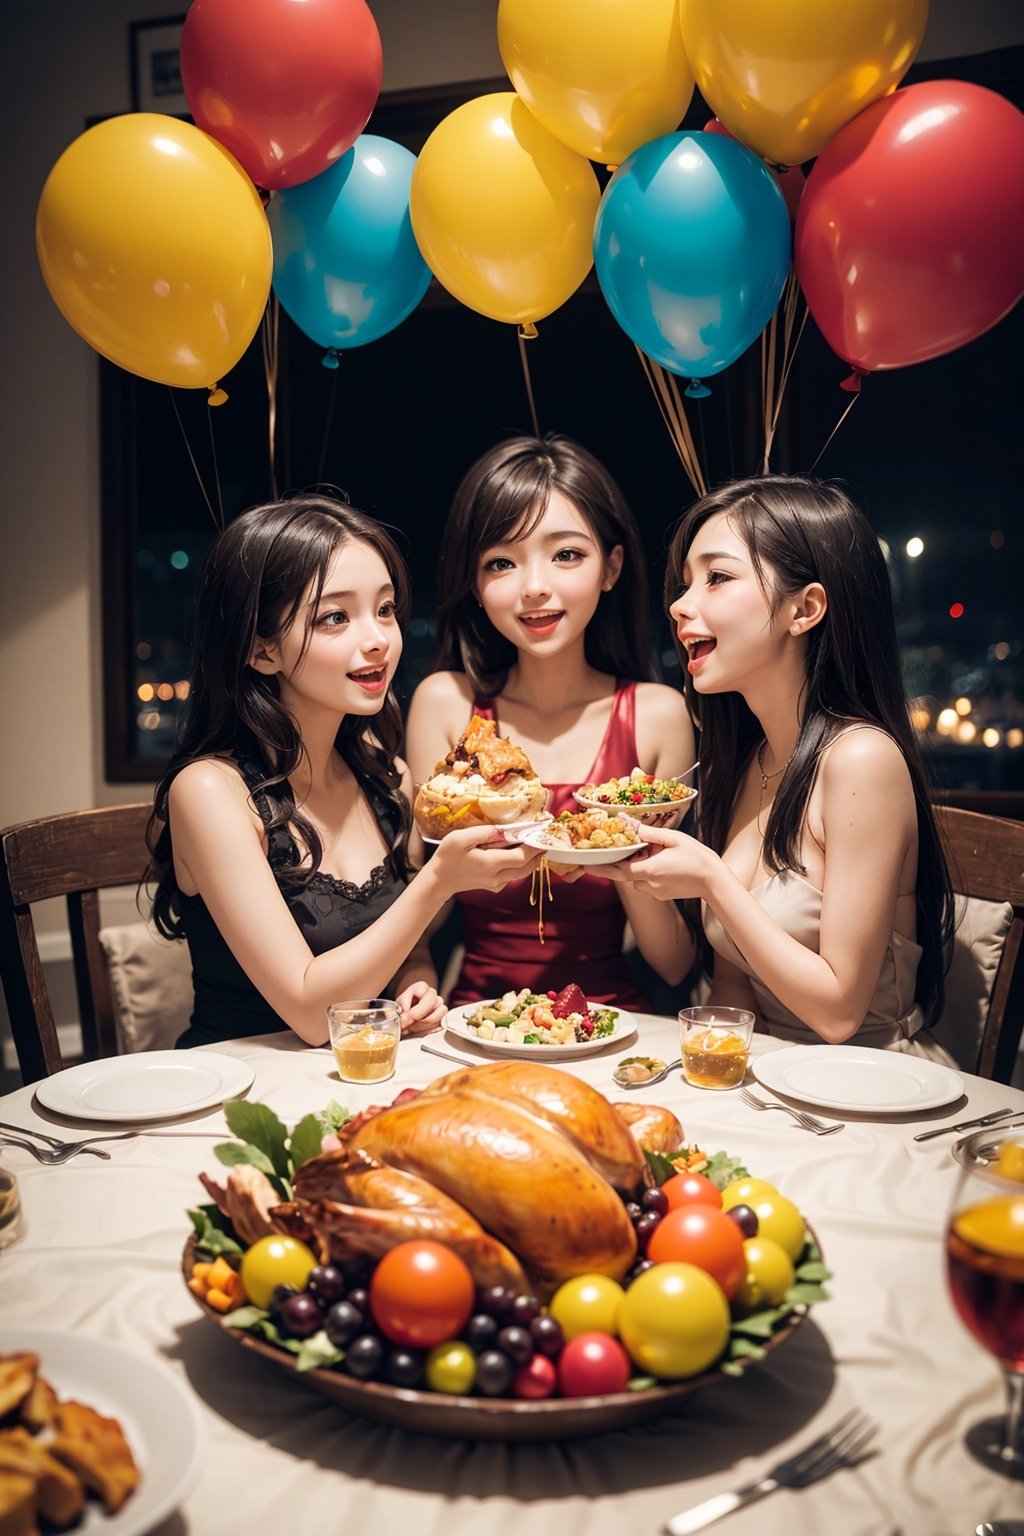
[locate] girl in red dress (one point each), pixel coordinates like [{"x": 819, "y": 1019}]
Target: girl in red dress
[{"x": 544, "y": 627}]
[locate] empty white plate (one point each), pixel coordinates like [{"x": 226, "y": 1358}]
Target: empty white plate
[
  {"x": 158, "y": 1415},
  {"x": 858, "y": 1077},
  {"x": 150, "y": 1085}
]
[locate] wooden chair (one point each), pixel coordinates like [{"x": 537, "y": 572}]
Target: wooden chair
[
  {"x": 986, "y": 860},
  {"x": 76, "y": 856}
]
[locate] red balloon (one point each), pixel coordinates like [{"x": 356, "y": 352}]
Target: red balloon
[
  {"x": 910, "y": 236},
  {"x": 286, "y": 85}
]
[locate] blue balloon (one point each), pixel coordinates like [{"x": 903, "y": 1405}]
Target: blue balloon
[
  {"x": 347, "y": 268},
  {"x": 692, "y": 245}
]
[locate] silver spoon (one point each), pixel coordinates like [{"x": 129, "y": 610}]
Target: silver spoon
[{"x": 656, "y": 1077}]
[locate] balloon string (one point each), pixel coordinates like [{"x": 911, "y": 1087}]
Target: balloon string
[
  {"x": 327, "y": 426},
  {"x": 776, "y": 362},
  {"x": 528, "y": 381},
  {"x": 192, "y": 459},
  {"x": 666, "y": 392},
  {"x": 270, "y": 334},
  {"x": 216, "y": 468},
  {"x": 835, "y": 429}
]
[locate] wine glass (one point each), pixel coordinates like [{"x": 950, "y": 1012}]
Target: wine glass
[{"x": 985, "y": 1269}]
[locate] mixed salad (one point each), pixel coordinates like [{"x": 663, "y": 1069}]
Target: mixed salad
[
  {"x": 542, "y": 1018},
  {"x": 638, "y": 788}
]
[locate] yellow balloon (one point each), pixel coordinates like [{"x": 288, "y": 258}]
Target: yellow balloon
[
  {"x": 604, "y": 76},
  {"x": 784, "y": 77},
  {"x": 502, "y": 211},
  {"x": 155, "y": 247}
]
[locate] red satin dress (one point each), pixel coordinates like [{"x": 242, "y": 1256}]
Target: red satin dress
[{"x": 583, "y": 924}]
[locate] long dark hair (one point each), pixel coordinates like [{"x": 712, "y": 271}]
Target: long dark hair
[
  {"x": 798, "y": 531},
  {"x": 253, "y": 581},
  {"x": 507, "y": 490}
]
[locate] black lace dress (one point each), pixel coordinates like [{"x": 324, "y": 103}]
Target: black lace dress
[{"x": 329, "y": 911}]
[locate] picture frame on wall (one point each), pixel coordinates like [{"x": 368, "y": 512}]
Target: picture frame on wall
[{"x": 154, "y": 48}]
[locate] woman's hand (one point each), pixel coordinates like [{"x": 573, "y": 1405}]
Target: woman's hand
[
  {"x": 675, "y": 867},
  {"x": 422, "y": 1007},
  {"x": 479, "y": 859}
]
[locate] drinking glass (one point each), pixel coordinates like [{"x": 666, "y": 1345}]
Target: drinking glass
[
  {"x": 10, "y": 1208},
  {"x": 715, "y": 1045},
  {"x": 364, "y": 1038},
  {"x": 985, "y": 1269}
]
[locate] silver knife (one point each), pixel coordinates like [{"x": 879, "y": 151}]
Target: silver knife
[{"x": 966, "y": 1125}]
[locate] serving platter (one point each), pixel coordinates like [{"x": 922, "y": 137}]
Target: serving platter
[
  {"x": 456, "y": 1022},
  {"x": 481, "y": 1418}
]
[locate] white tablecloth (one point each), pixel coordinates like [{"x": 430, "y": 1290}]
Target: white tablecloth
[{"x": 100, "y": 1255}]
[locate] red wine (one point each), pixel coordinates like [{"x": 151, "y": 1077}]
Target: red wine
[{"x": 985, "y": 1263}]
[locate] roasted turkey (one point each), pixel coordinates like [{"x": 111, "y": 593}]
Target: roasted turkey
[{"x": 520, "y": 1167}]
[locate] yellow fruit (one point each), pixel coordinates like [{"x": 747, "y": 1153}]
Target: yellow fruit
[
  {"x": 274, "y": 1261},
  {"x": 1010, "y": 1161},
  {"x": 587, "y": 1304},
  {"x": 769, "y": 1275},
  {"x": 745, "y": 1192},
  {"x": 996, "y": 1227},
  {"x": 779, "y": 1219}
]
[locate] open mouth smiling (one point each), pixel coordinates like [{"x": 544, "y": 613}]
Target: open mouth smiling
[{"x": 540, "y": 621}]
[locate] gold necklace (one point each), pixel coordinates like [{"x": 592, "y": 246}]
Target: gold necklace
[{"x": 767, "y": 777}]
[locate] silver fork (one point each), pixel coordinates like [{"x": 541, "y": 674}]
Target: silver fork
[
  {"x": 844, "y": 1445},
  {"x": 56, "y": 1142},
  {"x": 809, "y": 1122},
  {"x": 54, "y": 1156}
]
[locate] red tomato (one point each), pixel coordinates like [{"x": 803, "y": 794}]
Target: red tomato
[
  {"x": 421, "y": 1294},
  {"x": 593, "y": 1363},
  {"x": 696, "y": 1234},
  {"x": 691, "y": 1189},
  {"x": 535, "y": 1380}
]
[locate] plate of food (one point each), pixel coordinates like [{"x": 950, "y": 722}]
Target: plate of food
[
  {"x": 547, "y": 1026},
  {"x": 509, "y": 829},
  {"x": 457, "y": 1313},
  {"x": 584, "y": 837},
  {"x": 121, "y": 1427},
  {"x": 484, "y": 780},
  {"x": 657, "y": 802}
]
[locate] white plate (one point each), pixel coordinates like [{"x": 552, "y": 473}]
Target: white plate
[
  {"x": 160, "y": 1420},
  {"x": 512, "y": 828},
  {"x": 559, "y": 855},
  {"x": 858, "y": 1077},
  {"x": 664, "y": 813},
  {"x": 455, "y": 1021},
  {"x": 150, "y": 1085}
]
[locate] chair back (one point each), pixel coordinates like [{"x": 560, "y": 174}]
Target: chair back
[
  {"x": 75, "y": 856},
  {"x": 986, "y": 866}
]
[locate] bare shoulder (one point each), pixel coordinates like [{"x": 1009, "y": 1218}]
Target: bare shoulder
[
  {"x": 863, "y": 753},
  {"x": 663, "y": 727},
  {"x": 215, "y": 779},
  {"x": 444, "y": 690},
  {"x": 438, "y": 714}
]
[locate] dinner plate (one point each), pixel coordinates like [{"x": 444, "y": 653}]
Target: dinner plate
[
  {"x": 558, "y": 854},
  {"x": 857, "y": 1077},
  {"x": 512, "y": 828},
  {"x": 455, "y": 1021},
  {"x": 149, "y": 1085},
  {"x": 661, "y": 813},
  {"x": 550, "y": 1420},
  {"x": 159, "y": 1418}
]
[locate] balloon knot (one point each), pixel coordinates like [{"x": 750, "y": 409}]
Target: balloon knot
[
  {"x": 611, "y": 169},
  {"x": 780, "y": 170},
  {"x": 528, "y": 331},
  {"x": 695, "y": 390},
  {"x": 330, "y": 357},
  {"x": 263, "y": 195},
  {"x": 217, "y": 396},
  {"x": 853, "y": 382}
]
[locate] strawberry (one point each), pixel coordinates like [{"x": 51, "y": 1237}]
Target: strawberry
[{"x": 570, "y": 1000}]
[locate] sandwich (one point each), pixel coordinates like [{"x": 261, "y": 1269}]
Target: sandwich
[{"x": 484, "y": 779}]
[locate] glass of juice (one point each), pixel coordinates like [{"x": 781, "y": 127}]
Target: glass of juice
[
  {"x": 364, "y": 1038},
  {"x": 715, "y": 1045},
  {"x": 985, "y": 1269}
]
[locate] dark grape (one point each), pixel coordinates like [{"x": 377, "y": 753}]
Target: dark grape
[
  {"x": 645, "y": 1226},
  {"x": 524, "y": 1310},
  {"x": 745, "y": 1218},
  {"x": 481, "y": 1331},
  {"x": 359, "y": 1296},
  {"x": 638, "y": 1269},
  {"x": 364, "y": 1357},
  {"x": 327, "y": 1282},
  {"x": 343, "y": 1322},
  {"x": 634, "y": 1211},
  {"x": 655, "y": 1200},
  {"x": 282, "y": 1293},
  {"x": 493, "y": 1373},
  {"x": 300, "y": 1316},
  {"x": 517, "y": 1343},
  {"x": 495, "y": 1300},
  {"x": 403, "y": 1367},
  {"x": 546, "y": 1333}
]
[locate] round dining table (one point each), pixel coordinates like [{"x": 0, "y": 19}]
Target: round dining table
[{"x": 99, "y": 1257}]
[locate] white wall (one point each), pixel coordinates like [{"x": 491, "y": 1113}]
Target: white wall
[{"x": 66, "y": 60}]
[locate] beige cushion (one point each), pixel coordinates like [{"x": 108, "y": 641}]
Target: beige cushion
[
  {"x": 151, "y": 980},
  {"x": 978, "y": 942}
]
